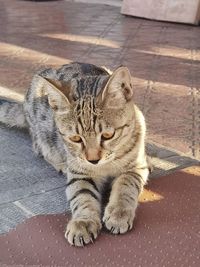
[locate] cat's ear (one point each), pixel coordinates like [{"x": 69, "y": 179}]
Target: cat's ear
[
  {"x": 58, "y": 93},
  {"x": 118, "y": 89}
]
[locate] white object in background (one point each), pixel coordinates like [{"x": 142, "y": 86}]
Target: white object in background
[{"x": 185, "y": 11}]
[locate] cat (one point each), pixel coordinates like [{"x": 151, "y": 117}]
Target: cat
[{"x": 82, "y": 119}]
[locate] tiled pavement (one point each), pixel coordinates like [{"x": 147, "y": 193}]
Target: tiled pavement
[{"x": 163, "y": 59}]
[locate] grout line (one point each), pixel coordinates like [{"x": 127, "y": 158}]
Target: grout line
[
  {"x": 32, "y": 195},
  {"x": 24, "y": 209}
]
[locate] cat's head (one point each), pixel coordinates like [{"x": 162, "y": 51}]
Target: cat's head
[{"x": 94, "y": 114}]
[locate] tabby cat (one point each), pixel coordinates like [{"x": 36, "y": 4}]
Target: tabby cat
[{"x": 83, "y": 121}]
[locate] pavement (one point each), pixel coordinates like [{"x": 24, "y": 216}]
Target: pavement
[{"x": 164, "y": 60}]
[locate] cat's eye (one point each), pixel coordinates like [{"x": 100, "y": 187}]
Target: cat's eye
[
  {"x": 107, "y": 135},
  {"x": 75, "y": 138}
]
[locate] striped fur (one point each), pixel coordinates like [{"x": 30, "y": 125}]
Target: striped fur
[{"x": 84, "y": 122}]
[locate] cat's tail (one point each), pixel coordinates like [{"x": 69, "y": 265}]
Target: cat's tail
[{"x": 12, "y": 113}]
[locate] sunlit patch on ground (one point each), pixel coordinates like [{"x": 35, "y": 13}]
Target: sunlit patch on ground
[
  {"x": 148, "y": 196},
  {"x": 26, "y": 54},
  {"x": 195, "y": 170},
  {"x": 8, "y": 93},
  {"x": 83, "y": 39},
  {"x": 169, "y": 51}
]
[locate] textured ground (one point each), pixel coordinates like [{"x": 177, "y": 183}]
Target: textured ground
[{"x": 166, "y": 233}]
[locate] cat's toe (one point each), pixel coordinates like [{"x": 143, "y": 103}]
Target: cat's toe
[
  {"x": 81, "y": 232},
  {"x": 118, "y": 220}
]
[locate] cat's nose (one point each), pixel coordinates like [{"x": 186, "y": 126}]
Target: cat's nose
[
  {"x": 93, "y": 155},
  {"x": 94, "y": 161}
]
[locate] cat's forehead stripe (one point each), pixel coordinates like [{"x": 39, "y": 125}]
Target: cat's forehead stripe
[
  {"x": 90, "y": 85},
  {"x": 86, "y": 114}
]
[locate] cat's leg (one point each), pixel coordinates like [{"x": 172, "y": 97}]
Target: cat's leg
[
  {"x": 51, "y": 153},
  {"x": 35, "y": 146},
  {"x": 84, "y": 198},
  {"x": 120, "y": 210},
  {"x": 59, "y": 165},
  {"x": 36, "y": 149},
  {"x": 52, "y": 157}
]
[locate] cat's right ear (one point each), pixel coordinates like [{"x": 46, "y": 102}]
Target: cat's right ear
[
  {"x": 58, "y": 93},
  {"x": 118, "y": 90}
]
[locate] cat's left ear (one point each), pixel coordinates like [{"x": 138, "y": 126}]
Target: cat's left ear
[
  {"x": 118, "y": 89},
  {"x": 58, "y": 93}
]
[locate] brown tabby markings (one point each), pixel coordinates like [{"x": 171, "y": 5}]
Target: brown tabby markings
[{"x": 83, "y": 120}]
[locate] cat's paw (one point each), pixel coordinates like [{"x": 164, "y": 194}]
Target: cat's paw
[
  {"x": 80, "y": 232},
  {"x": 118, "y": 219}
]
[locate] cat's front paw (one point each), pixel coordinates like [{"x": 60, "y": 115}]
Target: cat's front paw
[
  {"x": 80, "y": 232},
  {"x": 118, "y": 219}
]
